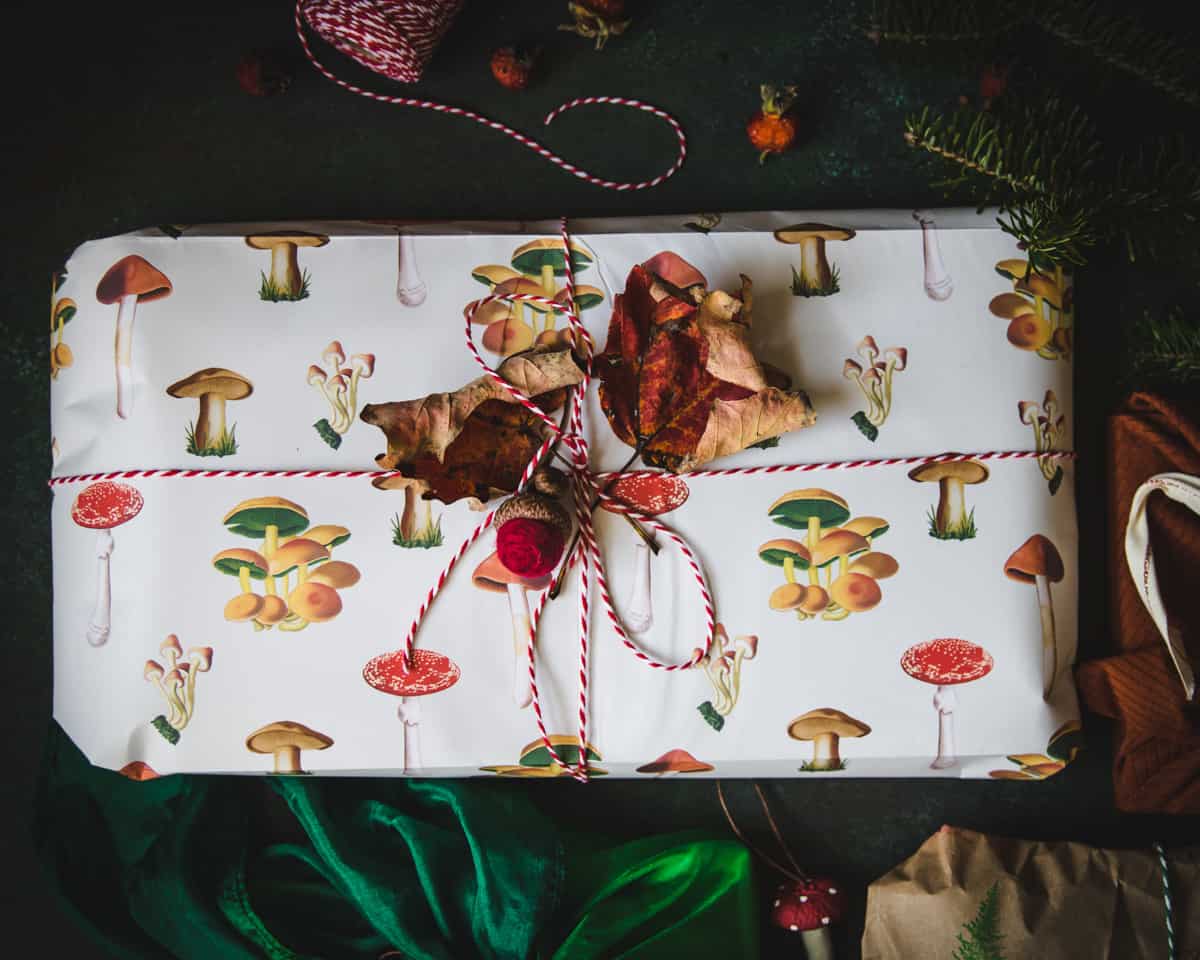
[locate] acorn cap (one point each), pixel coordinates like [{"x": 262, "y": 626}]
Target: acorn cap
[{"x": 533, "y": 506}]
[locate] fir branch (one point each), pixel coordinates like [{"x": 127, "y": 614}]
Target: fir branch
[
  {"x": 1167, "y": 347},
  {"x": 923, "y": 23},
  {"x": 980, "y": 938}
]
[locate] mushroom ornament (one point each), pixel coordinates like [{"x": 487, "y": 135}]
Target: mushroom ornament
[
  {"x": 938, "y": 283},
  {"x": 428, "y": 673},
  {"x": 103, "y": 506},
  {"x": 873, "y": 373},
  {"x": 285, "y": 281},
  {"x": 1038, "y": 561},
  {"x": 945, "y": 663},
  {"x": 809, "y": 907},
  {"x": 950, "y": 520},
  {"x": 284, "y": 739},
  {"x": 723, "y": 666},
  {"x": 128, "y": 282},
  {"x": 1049, "y": 431},
  {"x": 213, "y": 386},
  {"x": 410, "y": 288},
  {"x": 815, "y": 278},
  {"x": 652, "y": 494},
  {"x": 824, "y": 727}
]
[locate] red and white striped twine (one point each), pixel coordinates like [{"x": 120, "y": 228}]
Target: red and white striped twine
[{"x": 397, "y": 38}]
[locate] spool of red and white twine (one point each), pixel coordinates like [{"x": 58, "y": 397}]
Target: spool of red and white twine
[{"x": 397, "y": 38}]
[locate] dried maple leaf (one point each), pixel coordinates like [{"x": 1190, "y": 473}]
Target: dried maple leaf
[
  {"x": 475, "y": 441},
  {"x": 681, "y": 383}
]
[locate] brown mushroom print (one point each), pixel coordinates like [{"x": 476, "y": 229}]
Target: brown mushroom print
[
  {"x": 285, "y": 281},
  {"x": 209, "y": 436},
  {"x": 722, "y": 664},
  {"x": 313, "y": 597},
  {"x": 128, "y": 282},
  {"x": 950, "y": 519},
  {"x": 1039, "y": 311},
  {"x": 393, "y": 673},
  {"x": 1063, "y": 746},
  {"x": 410, "y": 288},
  {"x": 176, "y": 681},
  {"x": 835, "y": 544},
  {"x": 815, "y": 278},
  {"x": 406, "y": 532},
  {"x": 945, "y": 663},
  {"x": 825, "y": 728},
  {"x": 675, "y": 762},
  {"x": 537, "y": 762},
  {"x": 102, "y": 506},
  {"x": 1049, "y": 432},
  {"x": 62, "y": 312},
  {"x": 337, "y": 383},
  {"x": 1037, "y": 561},
  {"x": 284, "y": 740},
  {"x": 873, "y": 373},
  {"x": 938, "y": 283}
]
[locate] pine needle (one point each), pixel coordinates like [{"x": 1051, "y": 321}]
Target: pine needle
[{"x": 1167, "y": 347}]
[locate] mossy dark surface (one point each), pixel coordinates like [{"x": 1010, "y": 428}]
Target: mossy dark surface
[{"x": 132, "y": 117}]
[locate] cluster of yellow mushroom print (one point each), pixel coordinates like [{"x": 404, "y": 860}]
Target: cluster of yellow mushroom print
[
  {"x": 834, "y": 543},
  {"x": 723, "y": 667},
  {"x": 536, "y": 269},
  {"x": 950, "y": 519},
  {"x": 1039, "y": 311},
  {"x": 1038, "y": 562},
  {"x": 337, "y": 382},
  {"x": 294, "y": 563},
  {"x": 284, "y": 740},
  {"x": 62, "y": 312},
  {"x": 815, "y": 278},
  {"x": 1049, "y": 432},
  {"x": 128, "y": 282},
  {"x": 536, "y": 761},
  {"x": 286, "y": 281},
  {"x": 825, "y": 727},
  {"x": 873, "y": 372},
  {"x": 209, "y": 435},
  {"x": 1063, "y": 746},
  {"x": 175, "y": 679}
]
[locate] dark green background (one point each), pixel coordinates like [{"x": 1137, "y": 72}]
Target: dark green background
[{"x": 128, "y": 115}]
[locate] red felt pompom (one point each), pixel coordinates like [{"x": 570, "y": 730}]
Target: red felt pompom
[{"x": 529, "y": 548}]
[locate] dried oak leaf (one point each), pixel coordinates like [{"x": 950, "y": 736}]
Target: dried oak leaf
[
  {"x": 681, "y": 382},
  {"x": 475, "y": 441}
]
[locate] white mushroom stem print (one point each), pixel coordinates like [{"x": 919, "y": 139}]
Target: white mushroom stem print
[
  {"x": 945, "y": 663},
  {"x": 873, "y": 373},
  {"x": 938, "y": 284},
  {"x": 410, "y": 288},
  {"x": 1038, "y": 561},
  {"x": 128, "y": 282},
  {"x": 493, "y": 576},
  {"x": 1049, "y": 432},
  {"x": 427, "y": 672},
  {"x": 723, "y": 667},
  {"x": 339, "y": 386},
  {"x": 102, "y": 506},
  {"x": 177, "y": 684}
]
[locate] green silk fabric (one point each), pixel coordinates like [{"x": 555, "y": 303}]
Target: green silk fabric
[{"x": 311, "y": 868}]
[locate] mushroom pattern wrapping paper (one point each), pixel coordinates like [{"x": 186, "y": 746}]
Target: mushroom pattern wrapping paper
[{"x": 958, "y": 395}]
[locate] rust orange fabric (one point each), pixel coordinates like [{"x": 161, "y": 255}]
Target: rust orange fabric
[{"x": 1156, "y": 767}]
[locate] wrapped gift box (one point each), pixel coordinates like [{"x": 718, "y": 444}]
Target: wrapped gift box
[{"x": 196, "y": 631}]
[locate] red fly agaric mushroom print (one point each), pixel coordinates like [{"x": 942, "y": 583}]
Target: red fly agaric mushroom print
[
  {"x": 392, "y": 673},
  {"x": 1038, "y": 561},
  {"x": 722, "y": 664},
  {"x": 938, "y": 283},
  {"x": 285, "y": 281},
  {"x": 177, "y": 683},
  {"x": 103, "y": 506},
  {"x": 945, "y": 663},
  {"x": 338, "y": 383},
  {"x": 809, "y": 907},
  {"x": 491, "y": 575},
  {"x": 1039, "y": 311},
  {"x": 1049, "y": 432},
  {"x": 674, "y": 762},
  {"x": 128, "y": 282},
  {"x": 410, "y": 288},
  {"x": 873, "y": 374},
  {"x": 951, "y": 520},
  {"x": 652, "y": 494}
]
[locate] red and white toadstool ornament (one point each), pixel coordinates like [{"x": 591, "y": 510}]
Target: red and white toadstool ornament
[
  {"x": 810, "y": 907},
  {"x": 946, "y": 662},
  {"x": 102, "y": 506},
  {"x": 428, "y": 673},
  {"x": 652, "y": 494}
]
